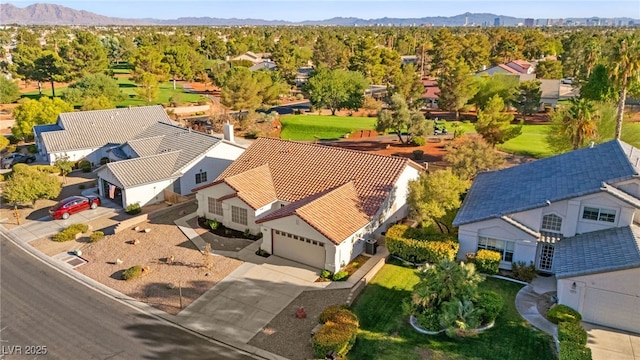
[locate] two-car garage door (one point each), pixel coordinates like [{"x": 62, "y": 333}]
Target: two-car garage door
[
  {"x": 300, "y": 249},
  {"x": 612, "y": 309}
]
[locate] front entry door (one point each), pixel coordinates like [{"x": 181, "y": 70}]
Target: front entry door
[{"x": 545, "y": 256}]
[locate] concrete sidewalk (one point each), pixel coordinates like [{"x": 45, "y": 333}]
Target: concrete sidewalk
[{"x": 527, "y": 303}]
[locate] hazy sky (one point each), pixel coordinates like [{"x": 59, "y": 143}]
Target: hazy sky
[{"x": 297, "y": 10}]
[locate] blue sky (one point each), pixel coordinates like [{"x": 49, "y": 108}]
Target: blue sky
[{"x": 298, "y": 10}]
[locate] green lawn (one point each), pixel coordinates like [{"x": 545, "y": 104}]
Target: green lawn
[
  {"x": 323, "y": 127},
  {"x": 128, "y": 88},
  {"x": 530, "y": 143},
  {"x": 386, "y": 334}
]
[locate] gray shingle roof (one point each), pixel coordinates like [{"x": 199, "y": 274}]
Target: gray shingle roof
[
  {"x": 182, "y": 146},
  {"x": 93, "y": 129},
  {"x": 528, "y": 186},
  {"x": 597, "y": 252}
]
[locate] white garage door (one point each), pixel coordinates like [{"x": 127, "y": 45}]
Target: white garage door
[
  {"x": 300, "y": 249},
  {"x": 611, "y": 309}
]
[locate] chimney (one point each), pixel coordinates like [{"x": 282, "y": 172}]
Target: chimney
[{"x": 227, "y": 131}]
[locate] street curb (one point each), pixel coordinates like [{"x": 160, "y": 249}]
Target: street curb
[{"x": 131, "y": 302}]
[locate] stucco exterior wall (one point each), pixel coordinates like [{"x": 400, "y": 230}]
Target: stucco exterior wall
[
  {"x": 145, "y": 194},
  {"x": 213, "y": 163}
]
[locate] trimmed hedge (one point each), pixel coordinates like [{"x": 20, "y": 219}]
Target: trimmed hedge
[
  {"x": 133, "y": 209},
  {"x": 96, "y": 236},
  {"x": 70, "y": 232},
  {"x": 132, "y": 272},
  {"x": 329, "y": 312},
  {"x": 573, "y": 351},
  {"x": 573, "y": 332},
  {"x": 490, "y": 303},
  {"x": 338, "y": 332},
  {"x": 341, "y": 276},
  {"x": 561, "y": 313},
  {"x": 414, "y": 245},
  {"x": 488, "y": 261}
]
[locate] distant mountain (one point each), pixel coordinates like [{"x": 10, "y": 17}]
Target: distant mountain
[{"x": 50, "y": 14}]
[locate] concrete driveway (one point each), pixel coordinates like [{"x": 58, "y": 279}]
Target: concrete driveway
[
  {"x": 606, "y": 343},
  {"x": 248, "y": 299}
]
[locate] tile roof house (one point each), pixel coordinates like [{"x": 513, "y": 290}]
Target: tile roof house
[
  {"x": 149, "y": 156},
  {"x": 524, "y": 70},
  {"x": 573, "y": 215},
  {"x": 313, "y": 204}
]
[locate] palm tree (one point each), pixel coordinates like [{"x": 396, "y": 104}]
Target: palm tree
[
  {"x": 580, "y": 122},
  {"x": 626, "y": 60}
]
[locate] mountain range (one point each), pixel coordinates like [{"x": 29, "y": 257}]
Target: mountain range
[{"x": 51, "y": 14}]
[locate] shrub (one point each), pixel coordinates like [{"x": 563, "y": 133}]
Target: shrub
[
  {"x": 96, "y": 236},
  {"x": 86, "y": 168},
  {"x": 561, "y": 313},
  {"x": 202, "y": 101},
  {"x": 1, "y": 177},
  {"x": 247, "y": 232},
  {"x": 263, "y": 253},
  {"x": 133, "y": 209},
  {"x": 573, "y": 351},
  {"x": 488, "y": 261},
  {"x": 329, "y": 312},
  {"x": 70, "y": 232},
  {"x": 82, "y": 186},
  {"x": 82, "y": 164},
  {"x": 104, "y": 160},
  {"x": 418, "y": 154},
  {"x": 47, "y": 168},
  {"x": 572, "y": 332},
  {"x": 490, "y": 304},
  {"x": 524, "y": 272},
  {"x": 325, "y": 274},
  {"x": 32, "y": 148},
  {"x": 132, "y": 272},
  {"x": 418, "y": 141},
  {"x": 340, "y": 276},
  {"x": 415, "y": 246},
  {"x": 213, "y": 224},
  {"x": 338, "y": 332},
  {"x": 428, "y": 320}
]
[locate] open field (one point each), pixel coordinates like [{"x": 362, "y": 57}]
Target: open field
[{"x": 322, "y": 127}]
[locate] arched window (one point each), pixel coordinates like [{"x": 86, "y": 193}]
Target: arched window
[{"x": 551, "y": 222}]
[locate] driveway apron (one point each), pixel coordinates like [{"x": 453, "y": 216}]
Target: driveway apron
[{"x": 248, "y": 299}]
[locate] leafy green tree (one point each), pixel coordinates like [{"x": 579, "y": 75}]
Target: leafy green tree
[
  {"x": 573, "y": 127},
  {"x": 336, "y": 89},
  {"x": 407, "y": 83},
  {"x": 625, "y": 71},
  {"x": 148, "y": 59},
  {"x": 177, "y": 57},
  {"x": 330, "y": 52},
  {"x": 65, "y": 166},
  {"x": 28, "y": 185},
  {"x": 469, "y": 155},
  {"x": 37, "y": 112},
  {"x": 117, "y": 49},
  {"x": 84, "y": 55},
  {"x": 457, "y": 87},
  {"x": 434, "y": 194},
  {"x": 506, "y": 45},
  {"x": 445, "y": 51},
  {"x": 599, "y": 86},
  {"x": 505, "y": 86},
  {"x": 147, "y": 87},
  {"x": 93, "y": 86},
  {"x": 213, "y": 47},
  {"x": 4, "y": 142},
  {"x": 494, "y": 124},
  {"x": 475, "y": 50},
  {"x": 97, "y": 103},
  {"x": 9, "y": 90},
  {"x": 240, "y": 90},
  {"x": 549, "y": 69},
  {"x": 401, "y": 120},
  {"x": 23, "y": 59},
  {"x": 270, "y": 86},
  {"x": 49, "y": 67},
  {"x": 528, "y": 99}
]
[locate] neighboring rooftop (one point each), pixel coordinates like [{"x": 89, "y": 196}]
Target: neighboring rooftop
[
  {"x": 530, "y": 185},
  {"x": 597, "y": 252},
  {"x": 94, "y": 129}
]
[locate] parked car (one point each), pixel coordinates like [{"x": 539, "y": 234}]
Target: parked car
[
  {"x": 17, "y": 158},
  {"x": 567, "y": 81},
  {"x": 72, "y": 205},
  {"x": 440, "y": 131}
]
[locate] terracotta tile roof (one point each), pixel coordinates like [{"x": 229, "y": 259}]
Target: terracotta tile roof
[
  {"x": 509, "y": 69},
  {"x": 254, "y": 187},
  {"x": 301, "y": 170},
  {"x": 336, "y": 223}
]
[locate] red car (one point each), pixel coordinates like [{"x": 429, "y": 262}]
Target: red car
[{"x": 72, "y": 205}]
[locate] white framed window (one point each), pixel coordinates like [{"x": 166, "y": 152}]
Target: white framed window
[
  {"x": 599, "y": 214},
  {"x": 239, "y": 215},
  {"x": 505, "y": 248},
  {"x": 551, "y": 222},
  {"x": 215, "y": 206},
  {"x": 201, "y": 177}
]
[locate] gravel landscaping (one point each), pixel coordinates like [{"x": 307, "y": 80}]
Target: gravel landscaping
[
  {"x": 109, "y": 257},
  {"x": 289, "y": 336}
]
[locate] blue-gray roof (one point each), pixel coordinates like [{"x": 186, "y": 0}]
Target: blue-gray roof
[
  {"x": 529, "y": 186},
  {"x": 597, "y": 252}
]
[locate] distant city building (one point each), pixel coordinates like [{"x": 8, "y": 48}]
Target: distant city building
[
  {"x": 549, "y": 22},
  {"x": 528, "y": 22},
  {"x": 496, "y": 21}
]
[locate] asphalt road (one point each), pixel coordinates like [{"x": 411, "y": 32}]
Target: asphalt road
[{"x": 40, "y": 307}]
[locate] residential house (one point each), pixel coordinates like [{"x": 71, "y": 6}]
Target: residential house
[
  {"x": 520, "y": 68},
  {"x": 255, "y": 58},
  {"x": 313, "y": 204},
  {"x": 264, "y": 65},
  {"x": 572, "y": 215},
  {"x": 150, "y": 158}
]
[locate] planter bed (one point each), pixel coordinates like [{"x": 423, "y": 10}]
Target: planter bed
[{"x": 226, "y": 232}]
